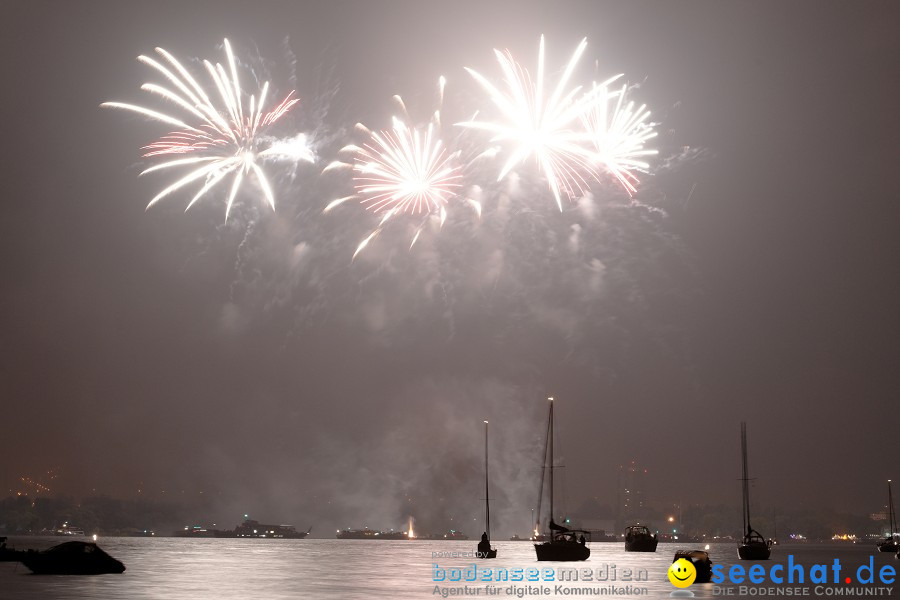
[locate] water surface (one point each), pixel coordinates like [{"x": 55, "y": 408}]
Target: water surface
[{"x": 232, "y": 569}]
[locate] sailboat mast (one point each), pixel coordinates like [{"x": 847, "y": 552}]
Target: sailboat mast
[
  {"x": 540, "y": 502},
  {"x": 744, "y": 478},
  {"x": 487, "y": 498},
  {"x": 551, "y": 458},
  {"x": 891, "y": 516}
]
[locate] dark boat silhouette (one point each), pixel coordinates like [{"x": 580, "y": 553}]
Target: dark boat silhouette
[
  {"x": 889, "y": 544},
  {"x": 371, "y": 534},
  {"x": 700, "y": 560},
  {"x": 484, "y": 546},
  {"x": 564, "y": 544},
  {"x": 68, "y": 558},
  {"x": 251, "y": 528},
  {"x": 7, "y": 554},
  {"x": 639, "y": 539},
  {"x": 753, "y": 545}
]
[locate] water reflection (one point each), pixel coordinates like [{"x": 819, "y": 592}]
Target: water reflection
[{"x": 225, "y": 569}]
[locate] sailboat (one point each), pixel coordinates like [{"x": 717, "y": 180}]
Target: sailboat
[
  {"x": 484, "y": 546},
  {"x": 753, "y": 546},
  {"x": 889, "y": 544},
  {"x": 564, "y": 544}
]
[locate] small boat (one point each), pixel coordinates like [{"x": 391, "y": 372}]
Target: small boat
[
  {"x": 700, "y": 560},
  {"x": 7, "y": 554},
  {"x": 753, "y": 545},
  {"x": 639, "y": 539},
  {"x": 484, "y": 546},
  {"x": 564, "y": 544},
  {"x": 68, "y": 558},
  {"x": 889, "y": 544}
]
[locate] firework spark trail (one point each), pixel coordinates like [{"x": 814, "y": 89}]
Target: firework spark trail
[
  {"x": 619, "y": 136},
  {"x": 223, "y": 139},
  {"x": 405, "y": 170},
  {"x": 546, "y": 128}
]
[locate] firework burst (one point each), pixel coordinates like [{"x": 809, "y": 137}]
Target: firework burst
[
  {"x": 619, "y": 136},
  {"x": 545, "y": 126},
  {"x": 218, "y": 139},
  {"x": 404, "y": 170}
]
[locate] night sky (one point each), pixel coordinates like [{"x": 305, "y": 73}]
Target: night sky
[{"x": 756, "y": 279}]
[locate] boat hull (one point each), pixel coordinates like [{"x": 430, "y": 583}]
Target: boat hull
[
  {"x": 641, "y": 545},
  {"x": 492, "y": 553},
  {"x": 888, "y": 546},
  {"x": 10, "y": 555},
  {"x": 71, "y": 558},
  {"x": 700, "y": 560},
  {"x": 754, "y": 552},
  {"x": 639, "y": 539},
  {"x": 562, "y": 551}
]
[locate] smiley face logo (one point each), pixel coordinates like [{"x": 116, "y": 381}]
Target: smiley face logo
[{"x": 682, "y": 573}]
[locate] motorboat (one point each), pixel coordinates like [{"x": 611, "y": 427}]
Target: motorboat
[
  {"x": 639, "y": 539},
  {"x": 68, "y": 558}
]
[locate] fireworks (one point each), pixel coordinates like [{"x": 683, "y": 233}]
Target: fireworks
[
  {"x": 224, "y": 139},
  {"x": 619, "y": 137},
  {"x": 572, "y": 136},
  {"x": 404, "y": 170},
  {"x": 223, "y": 135},
  {"x": 547, "y": 128}
]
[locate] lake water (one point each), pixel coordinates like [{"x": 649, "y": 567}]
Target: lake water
[{"x": 224, "y": 569}]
